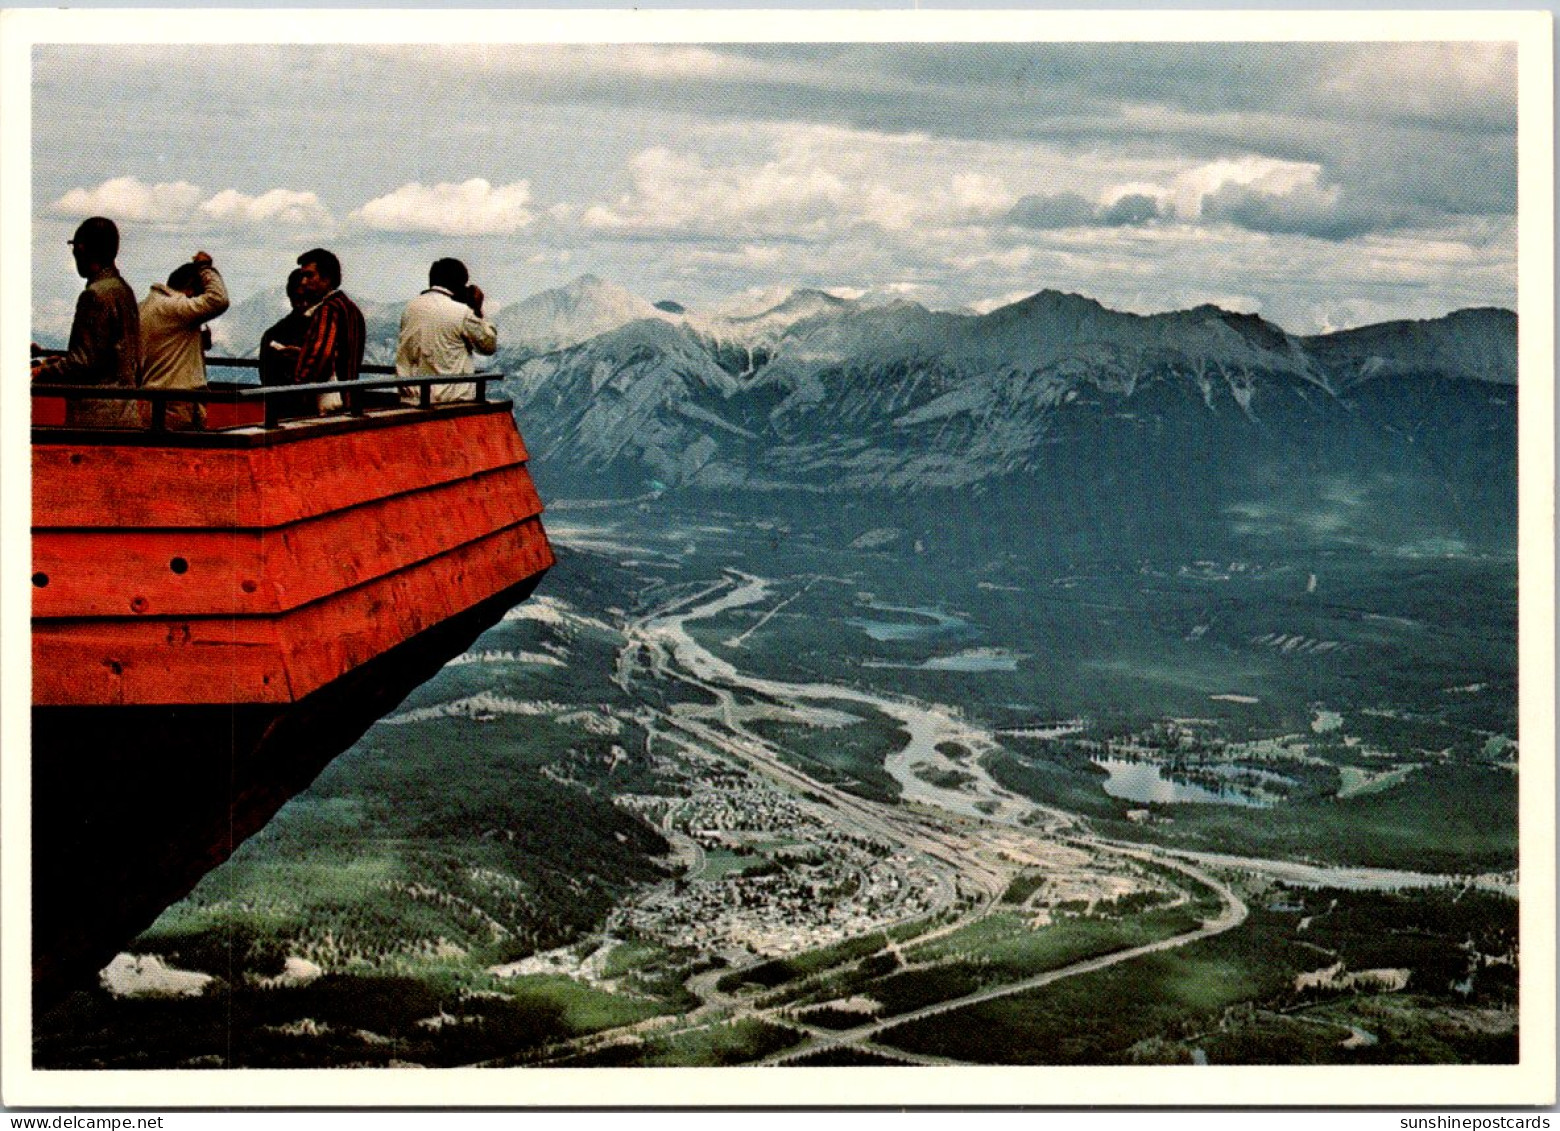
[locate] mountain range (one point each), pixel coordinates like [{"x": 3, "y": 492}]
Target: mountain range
[
  {"x": 1130, "y": 427},
  {"x": 1194, "y": 424}
]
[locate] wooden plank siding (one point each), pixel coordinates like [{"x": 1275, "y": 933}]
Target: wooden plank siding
[
  {"x": 259, "y": 575},
  {"x": 206, "y": 572},
  {"x": 135, "y": 486}
]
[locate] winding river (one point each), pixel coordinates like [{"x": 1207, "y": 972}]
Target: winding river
[{"x": 978, "y": 796}]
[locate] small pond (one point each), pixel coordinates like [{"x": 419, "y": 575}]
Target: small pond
[
  {"x": 1215, "y": 783},
  {"x": 935, "y": 624},
  {"x": 975, "y": 660}
]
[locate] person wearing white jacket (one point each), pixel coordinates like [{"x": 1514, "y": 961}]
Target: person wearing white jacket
[
  {"x": 173, "y": 318},
  {"x": 441, "y": 329}
]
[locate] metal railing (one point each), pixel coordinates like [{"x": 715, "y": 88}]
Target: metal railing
[{"x": 277, "y": 401}]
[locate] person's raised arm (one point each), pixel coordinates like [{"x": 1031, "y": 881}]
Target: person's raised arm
[
  {"x": 213, "y": 298},
  {"x": 480, "y": 334}
]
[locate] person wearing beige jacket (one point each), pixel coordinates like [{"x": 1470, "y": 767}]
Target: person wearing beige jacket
[
  {"x": 173, "y": 320},
  {"x": 441, "y": 329}
]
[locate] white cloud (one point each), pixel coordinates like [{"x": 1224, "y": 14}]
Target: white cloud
[
  {"x": 752, "y": 257},
  {"x": 818, "y": 181},
  {"x": 130, "y": 200},
  {"x": 1183, "y": 194},
  {"x": 1262, "y": 175},
  {"x": 1239, "y": 303},
  {"x": 179, "y": 204},
  {"x": 472, "y": 208},
  {"x": 675, "y": 190},
  {"x": 1115, "y": 194},
  {"x": 975, "y": 197},
  {"x": 884, "y": 292},
  {"x": 987, "y": 305},
  {"x": 1262, "y": 194},
  {"x": 279, "y": 206},
  {"x": 1012, "y": 259}
]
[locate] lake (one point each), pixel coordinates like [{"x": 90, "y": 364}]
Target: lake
[{"x": 1146, "y": 782}]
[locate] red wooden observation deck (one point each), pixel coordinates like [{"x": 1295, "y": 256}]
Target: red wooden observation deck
[{"x": 219, "y": 612}]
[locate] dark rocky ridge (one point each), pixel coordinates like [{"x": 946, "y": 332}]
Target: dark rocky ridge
[{"x": 1195, "y": 424}]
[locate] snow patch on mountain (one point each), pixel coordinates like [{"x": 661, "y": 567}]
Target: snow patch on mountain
[
  {"x": 568, "y": 315},
  {"x": 704, "y": 416}
]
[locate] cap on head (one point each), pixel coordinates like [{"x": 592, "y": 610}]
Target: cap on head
[
  {"x": 97, "y": 240},
  {"x": 325, "y": 263},
  {"x": 450, "y": 274}
]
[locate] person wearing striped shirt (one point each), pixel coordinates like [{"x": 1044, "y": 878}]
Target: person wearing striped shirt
[{"x": 333, "y": 345}]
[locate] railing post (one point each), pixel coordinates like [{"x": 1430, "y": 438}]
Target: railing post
[
  {"x": 482, "y": 390},
  {"x": 159, "y": 414},
  {"x": 425, "y": 397}
]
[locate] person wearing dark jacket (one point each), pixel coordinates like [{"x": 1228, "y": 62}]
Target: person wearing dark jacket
[
  {"x": 281, "y": 344},
  {"x": 105, "y": 335},
  {"x": 279, "y": 349}
]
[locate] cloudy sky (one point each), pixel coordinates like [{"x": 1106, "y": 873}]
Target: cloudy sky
[{"x": 1321, "y": 185}]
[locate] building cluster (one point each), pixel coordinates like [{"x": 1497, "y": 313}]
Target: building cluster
[{"x": 808, "y": 884}]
